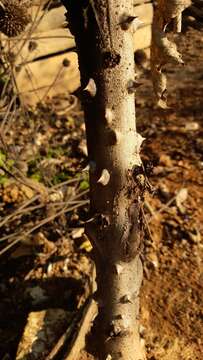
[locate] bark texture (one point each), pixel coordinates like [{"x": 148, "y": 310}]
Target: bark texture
[{"x": 104, "y": 36}]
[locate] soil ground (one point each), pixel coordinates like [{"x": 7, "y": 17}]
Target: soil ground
[{"x": 48, "y": 147}]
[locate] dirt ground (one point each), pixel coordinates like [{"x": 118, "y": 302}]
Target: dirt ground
[{"x": 48, "y": 148}]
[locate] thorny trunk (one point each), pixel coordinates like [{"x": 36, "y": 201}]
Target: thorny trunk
[
  {"x": 103, "y": 32},
  {"x": 104, "y": 36}
]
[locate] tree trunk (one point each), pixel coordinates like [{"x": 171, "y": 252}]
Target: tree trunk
[{"x": 104, "y": 36}]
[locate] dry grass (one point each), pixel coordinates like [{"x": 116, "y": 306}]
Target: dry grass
[{"x": 39, "y": 198}]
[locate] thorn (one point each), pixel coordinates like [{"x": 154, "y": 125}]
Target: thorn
[
  {"x": 109, "y": 357},
  {"x": 139, "y": 142},
  {"x": 177, "y": 23},
  {"x": 65, "y": 24},
  {"x": 127, "y": 21},
  {"x": 87, "y": 168},
  {"x": 115, "y": 329},
  {"x": 132, "y": 86},
  {"x": 127, "y": 299},
  {"x": 119, "y": 269},
  {"x": 98, "y": 300},
  {"x": 89, "y": 220},
  {"x": 104, "y": 178},
  {"x": 91, "y": 167},
  {"x": 137, "y": 23},
  {"x": 142, "y": 330},
  {"x": 126, "y": 323},
  {"x": 161, "y": 103},
  {"x": 109, "y": 116},
  {"x": 91, "y": 88},
  {"x": 102, "y": 220},
  {"x": 113, "y": 137},
  {"x": 120, "y": 317}
]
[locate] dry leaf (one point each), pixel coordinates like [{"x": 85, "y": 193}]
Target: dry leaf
[
  {"x": 163, "y": 50},
  {"x": 77, "y": 233}
]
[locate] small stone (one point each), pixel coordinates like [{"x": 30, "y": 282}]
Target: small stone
[
  {"x": 195, "y": 236},
  {"x": 56, "y": 196},
  {"x": 164, "y": 191},
  {"x": 181, "y": 197},
  {"x": 166, "y": 160},
  {"x": 154, "y": 260},
  {"x": 77, "y": 233},
  {"x": 37, "y": 295},
  {"x": 27, "y": 191},
  {"x": 49, "y": 269},
  {"x": 192, "y": 126}
]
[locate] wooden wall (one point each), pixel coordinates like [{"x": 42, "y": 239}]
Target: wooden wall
[{"x": 42, "y": 49}]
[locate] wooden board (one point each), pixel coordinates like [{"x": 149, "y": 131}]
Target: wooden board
[
  {"x": 140, "y": 2},
  {"x": 145, "y": 13},
  {"x": 40, "y": 52},
  {"x": 46, "y": 78},
  {"x": 40, "y": 45},
  {"x": 50, "y": 38},
  {"x": 142, "y": 38},
  {"x": 52, "y": 19}
]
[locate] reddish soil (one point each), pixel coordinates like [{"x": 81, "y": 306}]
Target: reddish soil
[{"x": 171, "y": 299}]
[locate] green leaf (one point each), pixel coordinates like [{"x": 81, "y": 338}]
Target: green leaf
[
  {"x": 2, "y": 158},
  {"x": 36, "y": 176},
  {"x": 3, "y": 179},
  {"x": 10, "y": 163},
  {"x": 84, "y": 185}
]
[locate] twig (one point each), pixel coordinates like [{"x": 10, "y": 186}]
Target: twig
[
  {"x": 53, "y": 83},
  {"x": 7, "y": 113},
  {"x": 165, "y": 206},
  {"x": 43, "y": 222},
  {"x": 7, "y": 218},
  {"x": 67, "y": 182},
  {"x": 23, "y": 209},
  {"x": 78, "y": 342},
  {"x": 64, "y": 338},
  {"x": 8, "y": 237},
  {"x": 41, "y": 38},
  {"x": 149, "y": 208}
]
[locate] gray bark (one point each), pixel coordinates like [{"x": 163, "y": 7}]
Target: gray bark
[{"x": 104, "y": 36}]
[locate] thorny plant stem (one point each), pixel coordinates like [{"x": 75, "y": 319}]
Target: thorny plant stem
[{"x": 104, "y": 39}]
